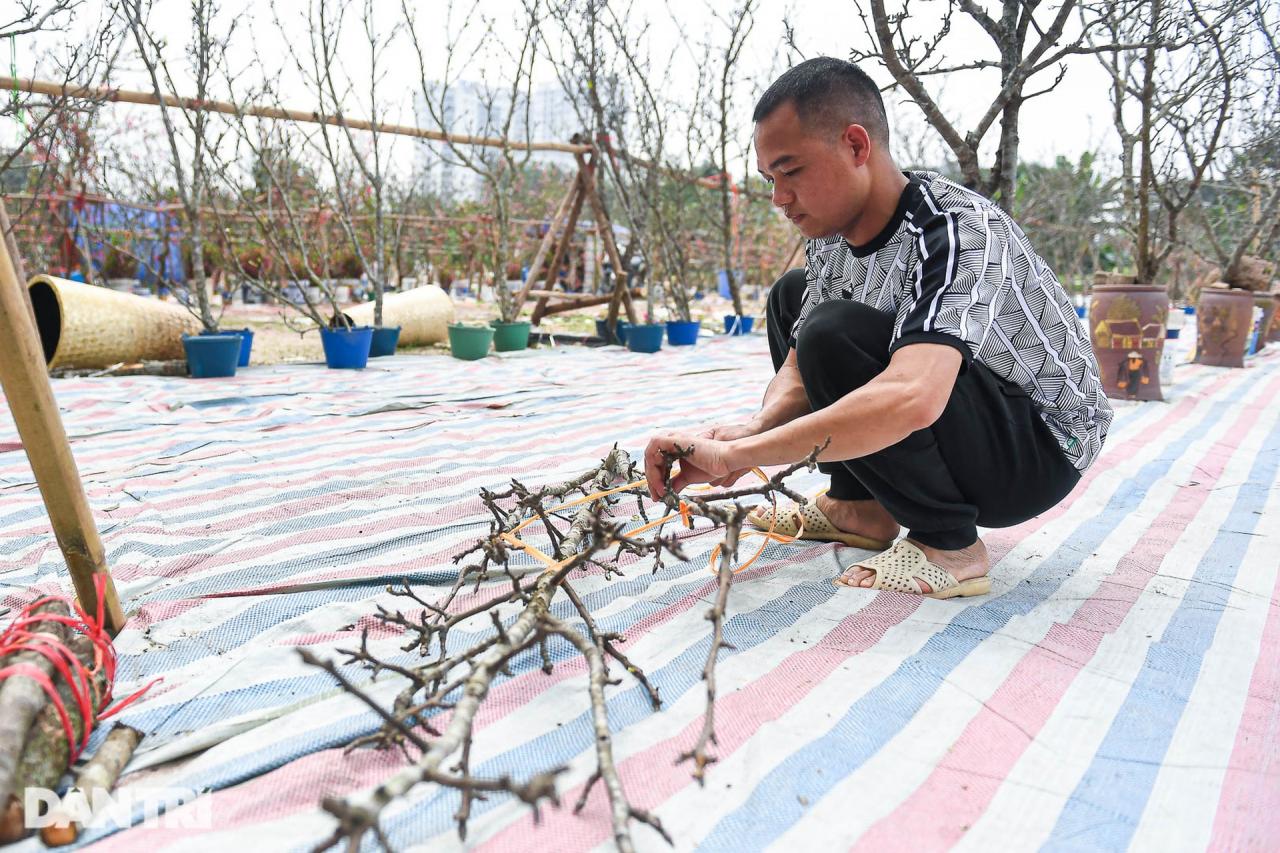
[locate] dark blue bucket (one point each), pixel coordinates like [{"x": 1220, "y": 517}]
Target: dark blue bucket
[
  {"x": 645, "y": 337},
  {"x": 683, "y": 334},
  {"x": 384, "y": 341},
  {"x": 246, "y": 343},
  {"x": 602, "y": 331},
  {"x": 211, "y": 356},
  {"x": 347, "y": 349},
  {"x": 736, "y": 325}
]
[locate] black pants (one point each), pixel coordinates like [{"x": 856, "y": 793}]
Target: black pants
[{"x": 988, "y": 460}]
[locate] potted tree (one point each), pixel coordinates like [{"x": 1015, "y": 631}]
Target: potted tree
[
  {"x": 191, "y": 151},
  {"x": 1173, "y": 90},
  {"x": 119, "y": 268}
]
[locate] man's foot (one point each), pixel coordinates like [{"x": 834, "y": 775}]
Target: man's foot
[
  {"x": 865, "y": 518},
  {"x": 964, "y": 564}
]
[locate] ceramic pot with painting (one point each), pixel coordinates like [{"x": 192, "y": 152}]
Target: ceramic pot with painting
[
  {"x": 1127, "y": 326},
  {"x": 1223, "y": 323}
]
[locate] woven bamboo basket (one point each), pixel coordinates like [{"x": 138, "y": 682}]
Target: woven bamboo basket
[
  {"x": 423, "y": 315},
  {"x": 82, "y": 325}
]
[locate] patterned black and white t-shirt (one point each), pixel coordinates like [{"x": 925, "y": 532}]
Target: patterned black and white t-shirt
[{"x": 953, "y": 268}]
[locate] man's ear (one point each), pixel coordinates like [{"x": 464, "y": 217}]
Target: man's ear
[{"x": 858, "y": 141}]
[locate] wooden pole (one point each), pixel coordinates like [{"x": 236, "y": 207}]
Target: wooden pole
[
  {"x": 558, "y": 258},
  {"x": 605, "y": 229},
  {"x": 30, "y": 396},
  {"x": 548, "y": 240}
]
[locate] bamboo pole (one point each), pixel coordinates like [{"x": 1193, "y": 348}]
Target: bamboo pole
[
  {"x": 130, "y": 96},
  {"x": 30, "y": 396}
]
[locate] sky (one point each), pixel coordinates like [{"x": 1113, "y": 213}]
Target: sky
[{"x": 1074, "y": 118}]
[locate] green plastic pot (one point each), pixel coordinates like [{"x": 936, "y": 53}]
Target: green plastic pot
[
  {"x": 509, "y": 337},
  {"x": 469, "y": 342}
]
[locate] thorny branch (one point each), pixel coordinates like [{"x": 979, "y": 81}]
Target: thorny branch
[{"x": 583, "y": 529}]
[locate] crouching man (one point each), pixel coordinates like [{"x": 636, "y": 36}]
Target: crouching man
[{"x": 925, "y": 340}]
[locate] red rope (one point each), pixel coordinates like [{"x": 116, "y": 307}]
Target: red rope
[{"x": 27, "y": 633}]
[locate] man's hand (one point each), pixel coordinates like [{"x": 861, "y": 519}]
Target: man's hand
[
  {"x": 706, "y": 463},
  {"x": 728, "y": 432}
]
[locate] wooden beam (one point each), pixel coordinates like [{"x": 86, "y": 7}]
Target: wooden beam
[
  {"x": 566, "y": 239},
  {"x": 548, "y": 240},
  {"x": 25, "y": 382},
  {"x": 572, "y": 302},
  {"x": 128, "y": 96}
]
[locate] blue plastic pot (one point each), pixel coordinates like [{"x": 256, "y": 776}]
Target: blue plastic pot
[
  {"x": 602, "y": 331},
  {"x": 645, "y": 337},
  {"x": 347, "y": 349},
  {"x": 211, "y": 356},
  {"x": 1081, "y": 310},
  {"x": 737, "y": 325},
  {"x": 384, "y": 341},
  {"x": 682, "y": 334},
  {"x": 246, "y": 343}
]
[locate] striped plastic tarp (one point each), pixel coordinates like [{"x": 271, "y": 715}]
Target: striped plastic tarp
[{"x": 1119, "y": 688}]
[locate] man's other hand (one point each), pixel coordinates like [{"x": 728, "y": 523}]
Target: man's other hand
[{"x": 707, "y": 462}]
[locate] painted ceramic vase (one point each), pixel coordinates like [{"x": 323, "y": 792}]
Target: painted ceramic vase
[
  {"x": 1127, "y": 326},
  {"x": 1274, "y": 337},
  {"x": 1223, "y": 323}
]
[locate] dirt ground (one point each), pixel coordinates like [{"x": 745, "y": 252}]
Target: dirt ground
[{"x": 274, "y": 342}]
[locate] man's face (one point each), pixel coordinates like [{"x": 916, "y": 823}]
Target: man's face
[{"x": 819, "y": 178}]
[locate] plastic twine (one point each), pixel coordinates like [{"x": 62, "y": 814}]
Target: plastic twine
[{"x": 25, "y": 634}]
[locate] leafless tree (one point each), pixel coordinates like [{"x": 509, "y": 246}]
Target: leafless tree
[
  {"x": 505, "y": 68},
  {"x": 353, "y": 166},
  {"x": 1238, "y": 210},
  {"x": 1026, "y": 40},
  {"x": 1173, "y": 86},
  {"x": 191, "y": 134},
  {"x": 604, "y": 58},
  {"x": 718, "y": 127},
  {"x": 50, "y": 125}
]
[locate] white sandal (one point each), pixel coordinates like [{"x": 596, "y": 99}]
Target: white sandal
[
  {"x": 902, "y": 567},
  {"x": 816, "y": 526}
]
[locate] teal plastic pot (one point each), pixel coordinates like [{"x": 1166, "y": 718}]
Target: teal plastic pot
[
  {"x": 347, "y": 349},
  {"x": 211, "y": 356},
  {"x": 645, "y": 337},
  {"x": 470, "y": 342},
  {"x": 683, "y": 334},
  {"x": 509, "y": 337},
  {"x": 384, "y": 341}
]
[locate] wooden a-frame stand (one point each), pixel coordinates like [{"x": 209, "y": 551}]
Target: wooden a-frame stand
[{"x": 584, "y": 190}]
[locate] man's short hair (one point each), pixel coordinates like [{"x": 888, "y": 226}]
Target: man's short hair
[{"x": 828, "y": 94}]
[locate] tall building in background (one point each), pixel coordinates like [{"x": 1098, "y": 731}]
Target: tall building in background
[{"x": 469, "y": 110}]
